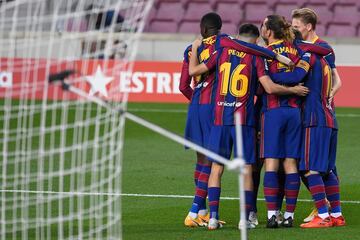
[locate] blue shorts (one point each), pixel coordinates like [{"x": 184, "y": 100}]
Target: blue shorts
[
  {"x": 318, "y": 149},
  {"x": 281, "y": 133},
  {"x": 198, "y": 123},
  {"x": 223, "y": 139}
]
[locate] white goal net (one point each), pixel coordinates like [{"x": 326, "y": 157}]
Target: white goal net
[{"x": 60, "y": 165}]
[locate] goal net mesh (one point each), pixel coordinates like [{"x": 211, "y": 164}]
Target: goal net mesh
[{"x": 60, "y": 166}]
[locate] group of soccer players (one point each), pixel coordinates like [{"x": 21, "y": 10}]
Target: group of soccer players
[{"x": 294, "y": 83}]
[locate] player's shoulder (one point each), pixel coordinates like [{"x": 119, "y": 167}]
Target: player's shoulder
[
  {"x": 188, "y": 49},
  {"x": 187, "y": 52},
  {"x": 322, "y": 42}
]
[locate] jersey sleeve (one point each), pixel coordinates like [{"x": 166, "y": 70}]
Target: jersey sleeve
[
  {"x": 246, "y": 47},
  {"x": 185, "y": 78},
  {"x": 211, "y": 61},
  {"x": 296, "y": 76},
  {"x": 330, "y": 58},
  {"x": 318, "y": 49},
  {"x": 260, "y": 67}
]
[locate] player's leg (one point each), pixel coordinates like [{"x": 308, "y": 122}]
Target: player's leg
[
  {"x": 292, "y": 178},
  {"x": 332, "y": 185},
  {"x": 206, "y": 123},
  {"x": 271, "y": 148},
  {"x": 197, "y": 215},
  {"x": 214, "y": 191},
  {"x": 314, "y": 161},
  {"x": 220, "y": 142},
  {"x": 249, "y": 154},
  {"x": 194, "y": 133},
  {"x": 198, "y": 166},
  {"x": 256, "y": 175}
]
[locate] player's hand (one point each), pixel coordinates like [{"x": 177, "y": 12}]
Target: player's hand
[
  {"x": 331, "y": 97},
  {"x": 300, "y": 90},
  {"x": 196, "y": 44}
]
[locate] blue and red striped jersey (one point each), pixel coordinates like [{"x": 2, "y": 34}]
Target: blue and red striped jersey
[
  {"x": 236, "y": 83},
  {"x": 203, "y": 92},
  {"x": 289, "y": 50},
  {"x": 330, "y": 58},
  {"x": 317, "y": 111},
  {"x": 185, "y": 78},
  {"x": 204, "y": 84}
]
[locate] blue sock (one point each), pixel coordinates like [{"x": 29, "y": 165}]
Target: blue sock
[
  {"x": 199, "y": 202},
  {"x": 332, "y": 192},
  {"x": 271, "y": 190},
  {"x": 317, "y": 189},
  {"x": 249, "y": 201},
  {"x": 214, "y": 198},
  {"x": 197, "y": 171},
  {"x": 292, "y": 187}
]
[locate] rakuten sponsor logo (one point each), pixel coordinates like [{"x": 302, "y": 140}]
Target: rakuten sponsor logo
[
  {"x": 229, "y": 104},
  {"x": 150, "y": 82},
  {"x": 6, "y": 79}
]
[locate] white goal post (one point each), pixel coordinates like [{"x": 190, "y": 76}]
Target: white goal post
[{"x": 60, "y": 167}]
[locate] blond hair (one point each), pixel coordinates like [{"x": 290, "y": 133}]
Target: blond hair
[{"x": 306, "y": 15}]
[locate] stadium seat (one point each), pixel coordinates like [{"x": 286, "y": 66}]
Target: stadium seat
[
  {"x": 170, "y": 11},
  {"x": 159, "y": 26},
  {"x": 229, "y": 28},
  {"x": 254, "y": 12},
  {"x": 232, "y": 2},
  {"x": 297, "y": 3},
  {"x": 189, "y": 27},
  {"x": 150, "y": 18},
  {"x": 285, "y": 10},
  {"x": 230, "y": 12},
  {"x": 323, "y": 12},
  {"x": 320, "y": 30},
  {"x": 341, "y": 30},
  {"x": 195, "y": 10},
  {"x": 354, "y": 2},
  {"x": 346, "y": 14},
  {"x": 328, "y": 3}
]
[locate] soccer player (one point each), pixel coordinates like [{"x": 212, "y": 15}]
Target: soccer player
[
  {"x": 305, "y": 20},
  {"x": 281, "y": 127},
  {"x": 199, "y": 118},
  {"x": 319, "y": 138},
  {"x": 236, "y": 83}
]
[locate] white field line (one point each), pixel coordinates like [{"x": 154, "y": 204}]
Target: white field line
[
  {"x": 140, "y": 195},
  {"x": 159, "y": 110}
]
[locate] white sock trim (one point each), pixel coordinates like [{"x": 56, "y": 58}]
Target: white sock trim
[
  {"x": 192, "y": 215},
  {"x": 336, "y": 215},
  {"x": 271, "y": 213},
  {"x": 288, "y": 214},
  {"x": 323, "y": 215}
]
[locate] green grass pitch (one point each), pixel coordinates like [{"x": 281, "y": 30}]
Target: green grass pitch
[{"x": 155, "y": 165}]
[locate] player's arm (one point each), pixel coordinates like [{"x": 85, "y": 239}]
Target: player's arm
[
  {"x": 272, "y": 88},
  {"x": 336, "y": 84},
  {"x": 195, "y": 68},
  {"x": 335, "y": 75},
  {"x": 242, "y": 46},
  {"x": 318, "y": 49},
  {"x": 185, "y": 78},
  {"x": 297, "y": 75}
]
